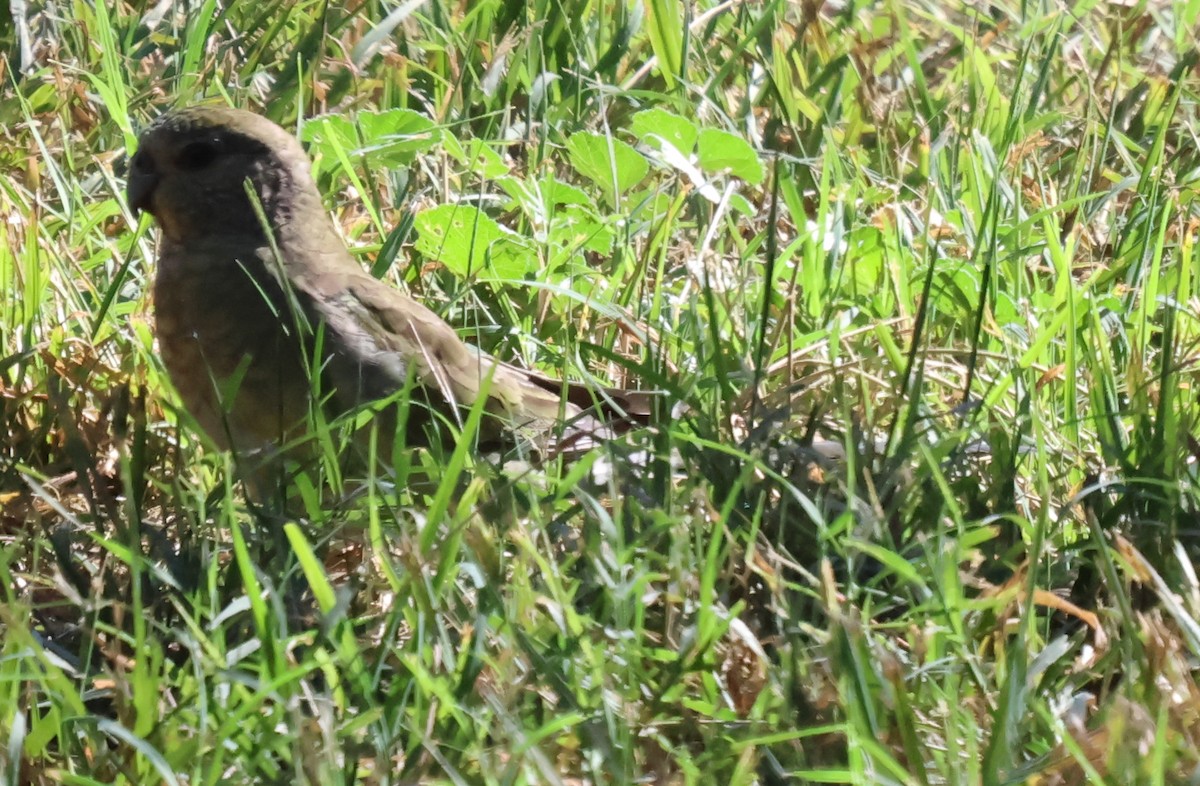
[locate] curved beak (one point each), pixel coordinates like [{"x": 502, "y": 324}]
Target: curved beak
[{"x": 143, "y": 179}]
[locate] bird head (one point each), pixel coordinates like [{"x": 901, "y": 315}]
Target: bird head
[{"x": 192, "y": 166}]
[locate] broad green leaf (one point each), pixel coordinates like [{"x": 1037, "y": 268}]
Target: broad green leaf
[
  {"x": 721, "y": 151},
  {"x": 574, "y": 228},
  {"x": 394, "y": 137},
  {"x": 609, "y": 163},
  {"x": 388, "y": 139},
  {"x": 329, "y": 133},
  {"x": 478, "y": 157},
  {"x": 557, "y": 192},
  {"x": 470, "y": 243},
  {"x": 654, "y": 125}
]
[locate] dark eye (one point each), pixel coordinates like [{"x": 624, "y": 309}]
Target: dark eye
[
  {"x": 140, "y": 162},
  {"x": 197, "y": 155}
]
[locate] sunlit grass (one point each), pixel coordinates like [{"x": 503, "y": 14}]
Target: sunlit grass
[{"x": 919, "y": 284}]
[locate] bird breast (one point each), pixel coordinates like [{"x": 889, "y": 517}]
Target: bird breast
[{"x": 231, "y": 349}]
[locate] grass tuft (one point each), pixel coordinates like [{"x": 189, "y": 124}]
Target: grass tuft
[{"x": 920, "y": 504}]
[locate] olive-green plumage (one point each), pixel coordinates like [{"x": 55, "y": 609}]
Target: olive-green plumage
[{"x": 251, "y": 323}]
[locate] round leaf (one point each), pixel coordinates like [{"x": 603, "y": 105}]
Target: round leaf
[
  {"x": 653, "y": 126},
  {"x": 469, "y": 242},
  {"x": 609, "y": 163},
  {"x": 721, "y": 151}
]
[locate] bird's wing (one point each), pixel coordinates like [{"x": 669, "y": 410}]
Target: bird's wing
[
  {"x": 375, "y": 336},
  {"x": 388, "y": 335}
]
